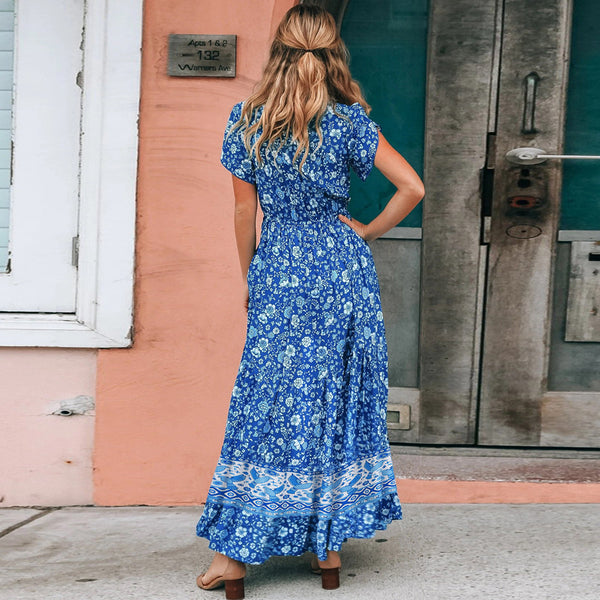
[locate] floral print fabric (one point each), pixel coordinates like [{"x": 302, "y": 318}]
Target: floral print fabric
[{"x": 305, "y": 463}]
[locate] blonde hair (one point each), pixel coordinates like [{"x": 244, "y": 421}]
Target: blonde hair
[{"x": 307, "y": 69}]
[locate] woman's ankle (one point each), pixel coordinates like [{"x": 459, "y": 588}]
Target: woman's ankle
[{"x": 333, "y": 560}]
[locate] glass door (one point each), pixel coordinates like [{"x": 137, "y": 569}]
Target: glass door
[{"x": 490, "y": 288}]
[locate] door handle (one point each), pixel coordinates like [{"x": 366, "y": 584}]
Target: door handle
[
  {"x": 535, "y": 156},
  {"x": 531, "y": 83}
]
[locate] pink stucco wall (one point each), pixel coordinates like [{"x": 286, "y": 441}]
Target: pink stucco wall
[
  {"x": 162, "y": 404},
  {"x": 45, "y": 459}
]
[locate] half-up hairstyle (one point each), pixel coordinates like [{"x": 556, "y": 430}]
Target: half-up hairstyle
[{"x": 307, "y": 69}]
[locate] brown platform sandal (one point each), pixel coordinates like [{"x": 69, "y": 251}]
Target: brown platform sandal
[
  {"x": 232, "y": 577},
  {"x": 329, "y": 570}
]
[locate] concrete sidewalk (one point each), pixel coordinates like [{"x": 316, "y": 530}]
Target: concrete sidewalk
[{"x": 438, "y": 552}]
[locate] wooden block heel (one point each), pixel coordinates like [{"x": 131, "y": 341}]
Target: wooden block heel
[
  {"x": 330, "y": 578},
  {"x": 234, "y": 589}
]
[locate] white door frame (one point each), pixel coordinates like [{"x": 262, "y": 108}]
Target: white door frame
[{"x": 103, "y": 310}]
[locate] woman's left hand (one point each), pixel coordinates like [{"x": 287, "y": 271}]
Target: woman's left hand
[
  {"x": 359, "y": 227},
  {"x": 246, "y": 297}
]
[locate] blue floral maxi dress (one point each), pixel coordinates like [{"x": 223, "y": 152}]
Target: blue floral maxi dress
[{"x": 305, "y": 462}]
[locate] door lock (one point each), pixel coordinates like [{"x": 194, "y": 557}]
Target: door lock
[
  {"x": 526, "y": 192},
  {"x": 525, "y": 202}
]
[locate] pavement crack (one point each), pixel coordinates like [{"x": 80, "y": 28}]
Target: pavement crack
[{"x": 20, "y": 524}]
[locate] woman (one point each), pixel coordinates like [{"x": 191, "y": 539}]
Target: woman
[{"x": 306, "y": 462}]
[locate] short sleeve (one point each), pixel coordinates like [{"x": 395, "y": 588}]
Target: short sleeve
[
  {"x": 364, "y": 140},
  {"x": 234, "y": 156}
]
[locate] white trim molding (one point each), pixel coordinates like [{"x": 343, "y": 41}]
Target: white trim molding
[{"x": 103, "y": 316}]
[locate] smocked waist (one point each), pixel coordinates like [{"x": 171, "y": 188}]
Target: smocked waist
[{"x": 326, "y": 217}]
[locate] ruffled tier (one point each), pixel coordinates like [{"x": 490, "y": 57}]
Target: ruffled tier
[{"x": 253, "y": 537}]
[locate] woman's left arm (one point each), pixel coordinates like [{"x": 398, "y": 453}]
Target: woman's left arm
[
  {"x": 246, "y": 203},
  {"x": 409, "y": 192}
]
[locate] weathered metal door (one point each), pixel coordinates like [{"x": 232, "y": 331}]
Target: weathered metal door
[
  {"x": 534, "y": 340},
  {"x": 490, "y": 293}
]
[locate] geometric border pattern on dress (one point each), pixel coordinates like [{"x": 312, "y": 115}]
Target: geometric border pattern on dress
[{"x": 268, "y": 490}]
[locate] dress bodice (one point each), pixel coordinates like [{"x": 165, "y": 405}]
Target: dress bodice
[{"x": 322, "y": 190}]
